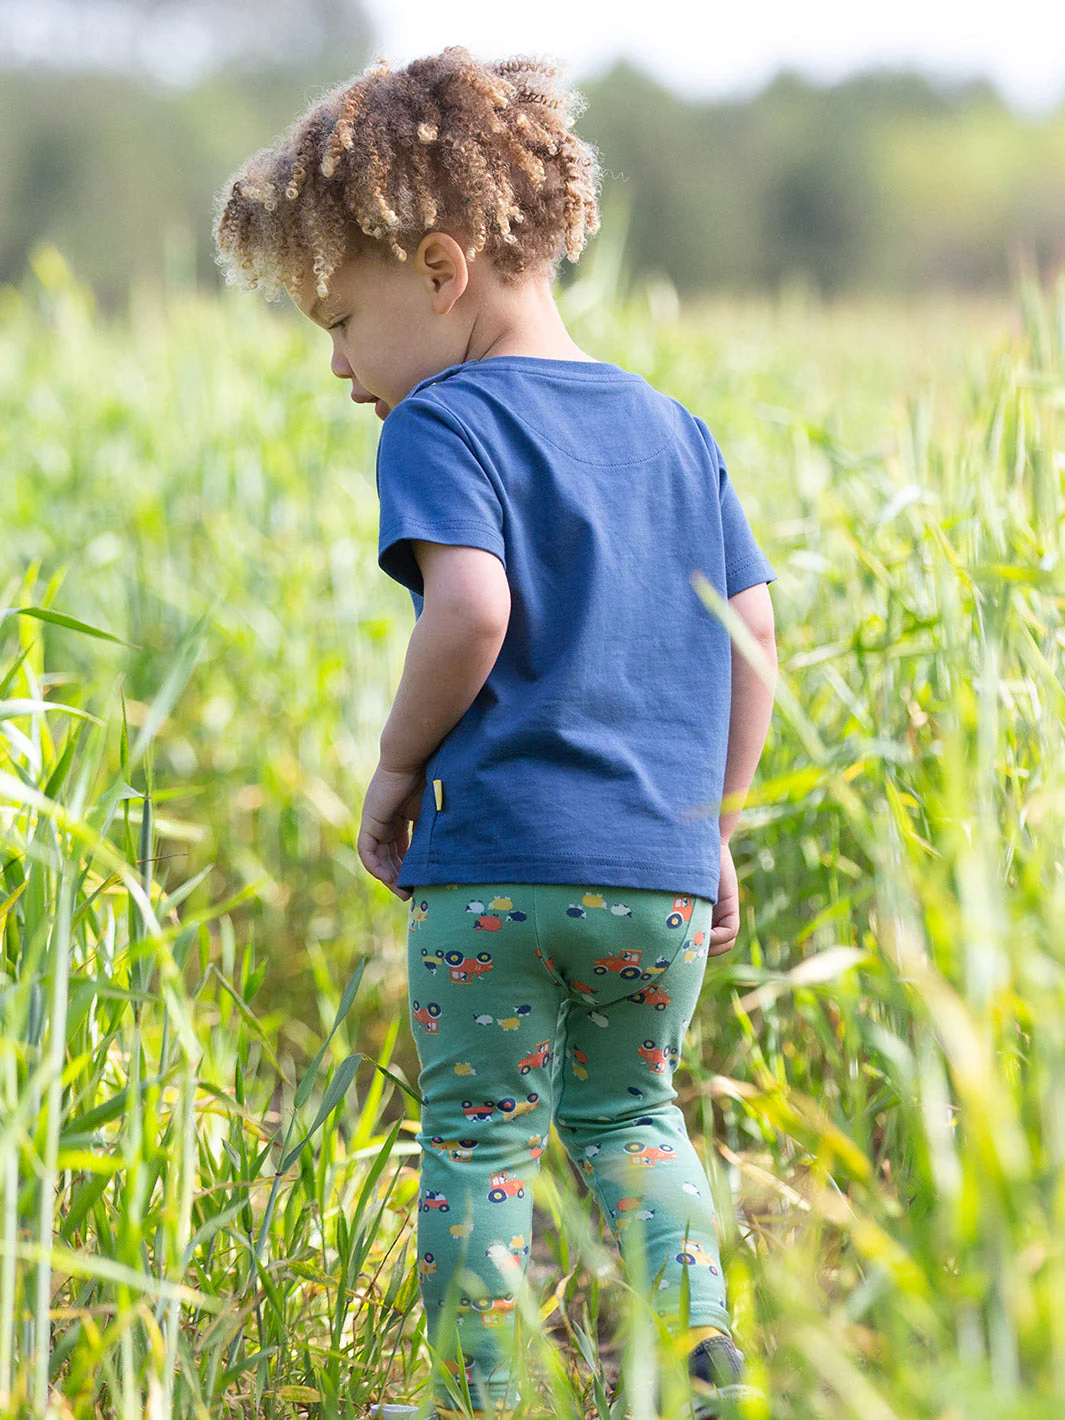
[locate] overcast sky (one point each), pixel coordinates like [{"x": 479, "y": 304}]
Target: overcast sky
[
  {"x": 701, "y": 48},
  {"x": 704, "y": 47}
]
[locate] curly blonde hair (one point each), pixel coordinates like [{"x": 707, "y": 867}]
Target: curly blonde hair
[{"x": 483, "y": 151}]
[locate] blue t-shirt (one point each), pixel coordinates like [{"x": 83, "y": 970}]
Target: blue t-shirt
[{"x": 594, "y": 754}]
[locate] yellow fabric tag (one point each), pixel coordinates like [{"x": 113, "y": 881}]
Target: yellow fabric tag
[{"x": 438, "y": 790}]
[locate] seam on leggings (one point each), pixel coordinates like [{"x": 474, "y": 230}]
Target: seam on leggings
[
  {"x": 686, "y": 938},
  {"x": 539, "y": 944}
]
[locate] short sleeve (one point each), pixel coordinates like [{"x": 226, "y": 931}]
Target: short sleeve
[
  {"x": 745, "y": 563},
  {"x": 431, "y": 488}
]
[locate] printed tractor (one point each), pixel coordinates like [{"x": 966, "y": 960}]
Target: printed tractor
[
  {"x": 681, "y": 912},
  {"x": 537, "y": 1058}
]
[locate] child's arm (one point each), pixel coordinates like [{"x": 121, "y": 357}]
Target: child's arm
[
  {"x": 752, "y": 702},
  {"x": 752, "y": 706},
  {"x": 453, "y": 646}
]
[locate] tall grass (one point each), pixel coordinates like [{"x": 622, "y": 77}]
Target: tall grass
[{"x": 196, "y": 979}]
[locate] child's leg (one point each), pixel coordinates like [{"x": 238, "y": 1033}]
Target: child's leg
[
  {"x": 636, "y": 960},
  {"x": 483, "y": 1014}
]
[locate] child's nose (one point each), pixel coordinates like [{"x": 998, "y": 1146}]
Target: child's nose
[{"x": 340, "y": 366}]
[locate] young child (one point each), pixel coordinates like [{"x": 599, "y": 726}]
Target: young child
[{"x": 570, "y": 715}]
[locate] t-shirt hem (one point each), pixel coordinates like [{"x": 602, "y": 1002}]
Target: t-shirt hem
[
  {"x": 748, "y": 574},
  {"x": 691, "y": 879},
  {"x": 409, "y": 528}
]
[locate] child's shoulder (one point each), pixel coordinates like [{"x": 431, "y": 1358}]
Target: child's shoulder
[{"x": 596, "y": 411}]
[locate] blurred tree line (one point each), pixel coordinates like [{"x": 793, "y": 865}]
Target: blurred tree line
[{"x": 120, "y": 118}]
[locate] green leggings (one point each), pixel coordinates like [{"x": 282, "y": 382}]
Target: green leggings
[{"x": 532, "y": 1003}]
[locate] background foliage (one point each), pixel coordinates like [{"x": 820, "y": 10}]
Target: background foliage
[
  {"x": 884, "y": 182},
  {"x": 874, "y": 1077}
]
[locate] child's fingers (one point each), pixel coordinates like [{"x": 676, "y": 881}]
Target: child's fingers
[
  {"x": 395, "y": 862},
  {"x": 725, "y": 927},
  {"x": 383, "y": 861},
  {"x": 397, "y": 852},
  {"x": 726, "y": 921},
  {"x": 375, "y": 858}
]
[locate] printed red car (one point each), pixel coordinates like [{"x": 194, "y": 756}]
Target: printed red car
[
  {"x": 502, "y": 1185},
  {"x": 658, "y": 1057},
  {"x": 426, "y": 1015},
  {"x": 625, "y": 963},
  {"x": 464, "y": 968},
  {"x": 493, "y": 1309},
  {"x": 478, "y": 1111},
  {"x": 649, "y": 1154},
  {"x": 509, "y": 1105},
  {"x": 652, "y": 996},
  {"x": 461, "y": 1150},
  {"x": 695, "y": 1256},
  {"x": 432, "y": 1200}
]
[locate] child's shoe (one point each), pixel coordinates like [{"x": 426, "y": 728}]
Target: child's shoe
[
  {"x": 716, "y": 1360},
  {"x": 718, "y": 1363}
]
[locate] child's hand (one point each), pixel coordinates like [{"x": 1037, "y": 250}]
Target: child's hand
[
  {"x": 726, "y": 919},
  {"x": 389, "y": 811}
]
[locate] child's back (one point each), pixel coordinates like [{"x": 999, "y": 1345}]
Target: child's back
[
  {"x": 570, "y": 713},
  {"x": 596, "y": 749}
]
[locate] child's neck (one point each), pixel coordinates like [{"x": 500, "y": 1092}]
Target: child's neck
[{"x": 521, "y": 320}]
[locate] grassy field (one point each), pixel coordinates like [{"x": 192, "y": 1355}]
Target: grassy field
[{"x": 207, "y": 1163}]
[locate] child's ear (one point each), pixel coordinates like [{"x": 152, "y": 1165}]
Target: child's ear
[{"x": 442, "y": 262}]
